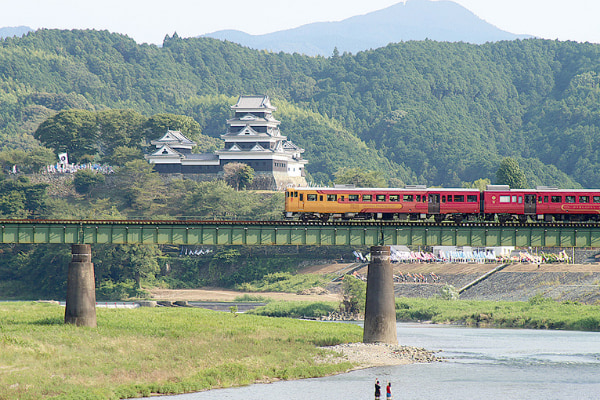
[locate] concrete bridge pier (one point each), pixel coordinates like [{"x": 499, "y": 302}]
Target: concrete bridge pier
[
  {"x": 380, "y": 308},
  {"x": 81, "y": 288}
]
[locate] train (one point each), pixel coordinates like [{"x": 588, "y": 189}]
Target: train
[{"x": 419, "y": 203}]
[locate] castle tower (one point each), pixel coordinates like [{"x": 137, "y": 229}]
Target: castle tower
[{"x": 252, "y": 138}]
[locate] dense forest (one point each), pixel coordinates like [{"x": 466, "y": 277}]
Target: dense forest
[{"x": 418, "y": 112}]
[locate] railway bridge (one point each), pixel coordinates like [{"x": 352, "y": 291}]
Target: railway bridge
[{"x": 380, "y": 320}]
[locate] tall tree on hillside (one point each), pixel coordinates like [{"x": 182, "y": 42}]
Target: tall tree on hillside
[
  {"x": 238, "y": 175},
  {"x": 509, "y": 173},
  {"x": 158, "y": 124},
  {"x": 359, "y": 177},
  {"x": 119, "y": 128},
  {"x": 140, "y": 187},
  {"x": 71, "y": 131}
]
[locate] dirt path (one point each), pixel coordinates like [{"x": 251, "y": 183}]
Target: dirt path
[{"x": 217, "y": 294}]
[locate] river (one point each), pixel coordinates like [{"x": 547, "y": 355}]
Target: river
[{"x": 479, "y": 364}]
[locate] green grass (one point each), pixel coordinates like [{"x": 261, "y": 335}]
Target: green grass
[
  {"x": 296, "y": 309},
  {"x": 135, "y": 353},
  {"x": 537, "y": 313},
  {"x": 285, "y": 282}
]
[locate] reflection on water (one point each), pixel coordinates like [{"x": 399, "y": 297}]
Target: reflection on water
[{"x": 480, "y": 364}]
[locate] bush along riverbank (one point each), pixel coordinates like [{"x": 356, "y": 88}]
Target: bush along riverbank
[{"x": 536, "y": 313}]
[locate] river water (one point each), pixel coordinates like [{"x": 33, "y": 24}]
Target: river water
[{"x": 479, "y": 364}]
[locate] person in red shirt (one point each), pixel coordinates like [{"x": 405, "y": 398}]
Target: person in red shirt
[{"x": 388, "y": 390}]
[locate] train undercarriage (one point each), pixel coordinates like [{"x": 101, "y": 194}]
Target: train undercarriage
[{"x": 439, "y": 218}]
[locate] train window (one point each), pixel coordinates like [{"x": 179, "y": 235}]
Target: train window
[
  {"x": 367, "y": 197},
  {"x": 418, "y": 198},
  {"x": 443, "y": 199},
  {"x": 332, "y": 197},
  {"x": 569, "y": 199},
  {"x": 449, "y": 198},
  {"x": 584, "y": 199},
  {"x": 295, "y": 194},
  {"x": 545, "y": 199},
  {"x": 301, "y": 197},
  {"x": 424, "y": 198},
  {"x": 287, "y": 194},
  {"x": 471, "y": 198},
  {"x": 353, "y": 197},
  {"x": 408, "y": 197},
  {"x": 513, "y": 199},
  {"x": 341, "y": 198},
  {"x": 321, "y": 198},
  {"x": 459, "y": 198},
  {"x": 596, "y": 199},
  {"x": 380, "y": 197},
  {"x": 311, "y": 197},
  {"x": 520, "y": 199},
  {"x": 394, "y": 197},
  {"x": 504, "y": 199},
  {"x": 556, "y": 199}
]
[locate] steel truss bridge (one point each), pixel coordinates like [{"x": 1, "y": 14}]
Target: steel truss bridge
[{"x": 350, "y": 233}]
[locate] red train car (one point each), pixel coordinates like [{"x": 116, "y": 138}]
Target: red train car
[
  {"x": 541, "y": 204},
  {"x": 411, "y": 202}
]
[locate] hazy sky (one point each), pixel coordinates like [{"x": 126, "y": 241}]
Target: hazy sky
[{"x": 148, "y": 21}]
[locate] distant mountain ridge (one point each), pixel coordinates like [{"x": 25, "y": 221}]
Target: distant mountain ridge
[
  {"x": 443, "y": 21},
  {"x": 11, "y": 31}
]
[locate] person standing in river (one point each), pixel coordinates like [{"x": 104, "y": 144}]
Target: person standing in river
[
  {"x": 377, "y": 390},
  {"x": 388, "y": 391}
]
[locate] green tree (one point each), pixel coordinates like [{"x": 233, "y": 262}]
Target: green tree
[
  {"x": 157, "y": 125},
  {"x": 509, "y": 173},
  {"x": 119, "y": 263},
  {"x": 238, "y": 175},
  {"x": 119, "y": 128},
  {"x": 123, "y": 154},
  {"x": 140, "y": 187},
  {"x": 71, "y": 131},
  {"x": 354, "y": 291},
  {"x": 84, "y": 180},
  {"x": 480, "y": 184},
  {"x": 19, "y": 198},
  {"x": 359, "y": 177}
]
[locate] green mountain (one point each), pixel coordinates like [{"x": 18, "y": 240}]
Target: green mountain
[{"x": 420, "y": 112}]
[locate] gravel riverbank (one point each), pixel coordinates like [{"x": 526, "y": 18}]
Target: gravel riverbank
[{"x": 368, "y": 355}]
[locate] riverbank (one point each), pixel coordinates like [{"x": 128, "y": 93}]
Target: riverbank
[
  {"x": 367, "y": 355},
  {"x": 148, "y": 351}
]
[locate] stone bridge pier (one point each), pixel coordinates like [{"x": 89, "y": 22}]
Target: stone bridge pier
[
  {"x": 81, "y": 288},
  {"x": 380, "y": 308}
]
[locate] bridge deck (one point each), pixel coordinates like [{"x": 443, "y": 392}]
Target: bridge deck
[{"x": 364, "y": 233}]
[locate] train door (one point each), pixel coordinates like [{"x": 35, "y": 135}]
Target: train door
[
  {"x": 300, "y": 200},
  {"x": 530, "y": 204},
  {"x": 434, "y": 203}
]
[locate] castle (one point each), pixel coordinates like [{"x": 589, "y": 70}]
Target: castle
[{"x": 252, "y": 138}]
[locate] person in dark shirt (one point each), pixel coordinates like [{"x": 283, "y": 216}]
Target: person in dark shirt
[{"x": 377, "y": 390}]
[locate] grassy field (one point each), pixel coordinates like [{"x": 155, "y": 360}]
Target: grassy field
[{"x": 137, "y": 352}]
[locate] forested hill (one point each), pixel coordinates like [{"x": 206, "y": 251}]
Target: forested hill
[{"x": 420, "y": 111}]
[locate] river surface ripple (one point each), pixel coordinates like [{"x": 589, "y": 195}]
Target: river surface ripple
[{"x": 508, "y": 364}]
